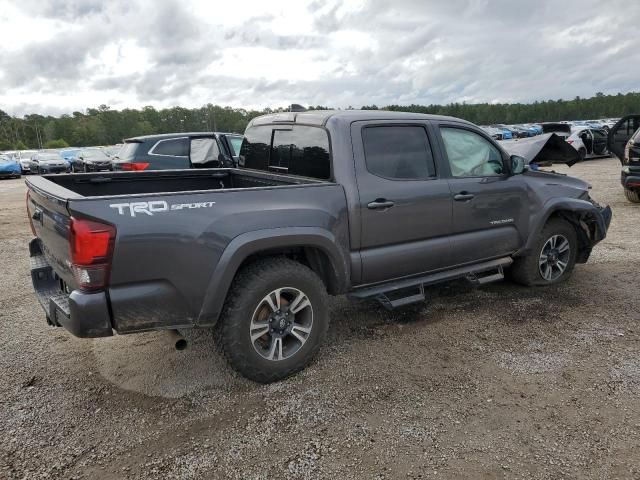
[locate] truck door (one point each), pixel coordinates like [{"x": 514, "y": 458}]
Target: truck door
[
  {"x": 404, "y": 203},
  {"x": 490, "y": 207},
  {"x": 620, "y": 134}
]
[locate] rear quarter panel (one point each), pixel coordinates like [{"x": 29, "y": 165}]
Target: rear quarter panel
[{"x": 163, "y": 262}]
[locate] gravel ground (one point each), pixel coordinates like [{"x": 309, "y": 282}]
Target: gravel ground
[{"x": 496, "y": 382}]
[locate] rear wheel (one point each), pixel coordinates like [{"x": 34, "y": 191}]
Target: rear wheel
[
  {"x": 632, "y": 195},
  {"x": 582, "y": 152},
  {"x": 274, "y": 319},
  {"x": 552, "y": 258}
]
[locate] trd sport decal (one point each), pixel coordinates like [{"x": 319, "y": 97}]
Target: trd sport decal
[{"x": 157, "y": 206}]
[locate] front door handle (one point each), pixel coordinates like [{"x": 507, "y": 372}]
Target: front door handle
[
  {"x": 463, "y": 196},
  {"x": 380, "y": 204}
]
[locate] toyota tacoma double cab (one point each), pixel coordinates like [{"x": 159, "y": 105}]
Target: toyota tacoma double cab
[{"x": 373, "y": 204}]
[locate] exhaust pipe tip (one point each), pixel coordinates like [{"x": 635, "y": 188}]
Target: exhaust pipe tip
[
  {"x": 178, "y": 341},
  {"x": 181, "y": 344}
]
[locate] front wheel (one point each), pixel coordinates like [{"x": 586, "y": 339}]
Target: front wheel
[
  {"x": 274, "y": 319},
  {"x": 552, "y": 258}
]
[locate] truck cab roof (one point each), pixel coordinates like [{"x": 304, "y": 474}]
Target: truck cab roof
[{"x": 321, "y": 117}]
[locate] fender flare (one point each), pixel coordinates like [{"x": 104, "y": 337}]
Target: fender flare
[
  {"x": 247, "y": 244},
  {"x": 583, "y": 208}
]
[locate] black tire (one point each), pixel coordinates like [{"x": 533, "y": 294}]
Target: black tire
[
  {"x": 528, "y": 271},
  {"x": 583, "y": 153},
  {"x": 244, "y": 303},
  {"x": 632, "y": 195}
]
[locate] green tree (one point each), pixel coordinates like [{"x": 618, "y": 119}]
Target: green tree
[{"x": 59, "y": 143}]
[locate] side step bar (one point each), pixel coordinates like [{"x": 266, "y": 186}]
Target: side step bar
[{"x": 411, "y": 290}]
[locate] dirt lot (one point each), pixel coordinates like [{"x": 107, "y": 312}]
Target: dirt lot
[{"x": 496, "y": 382}]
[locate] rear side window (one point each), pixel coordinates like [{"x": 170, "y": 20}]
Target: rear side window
[
  {"x": 176, "y": 147},
  {"x": 297, "y": 150},
  {"x": 398, "y": 152}
]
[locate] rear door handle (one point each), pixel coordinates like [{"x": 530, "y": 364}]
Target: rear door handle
[
  {"x": 463, "y": 196},
  {"x": 380, "y": 204}
]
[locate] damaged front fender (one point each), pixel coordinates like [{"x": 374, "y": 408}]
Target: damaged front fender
[{"x": 590, "y": 220}]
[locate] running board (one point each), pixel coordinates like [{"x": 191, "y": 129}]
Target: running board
[{"x": 411, "y": 290}]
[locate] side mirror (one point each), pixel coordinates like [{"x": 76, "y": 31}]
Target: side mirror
[
  {"x": 80, "y": 157},
  {"x": 518, "y": 164}
]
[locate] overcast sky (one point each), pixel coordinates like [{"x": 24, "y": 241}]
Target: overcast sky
[{"x": 57, "y": 56}]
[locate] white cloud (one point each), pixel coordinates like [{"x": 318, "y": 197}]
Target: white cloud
[{"x": 64, "y": 55}]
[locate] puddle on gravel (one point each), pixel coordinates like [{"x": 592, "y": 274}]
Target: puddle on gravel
[{"x": 146, "y": 363}]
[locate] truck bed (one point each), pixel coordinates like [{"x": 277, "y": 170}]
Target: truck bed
[
  {"x": 174, "y": 234},
  {"x": 167, "y": 181}
]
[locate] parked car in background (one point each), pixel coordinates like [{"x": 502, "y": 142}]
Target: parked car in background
[
  {"x": 112, "y": 150},
  {"x": 49, "y": 162},
  {"x": 495, "y": 133},
  {"x": 24, "y": 158},
  {"x": 624, "y": 142},
  {"x": 9, "y": 167},
  {"x": 561, "y": 129},
  {"x": 91, "y": 160},
  {"x": 177, "y": 151},
  {"x": 589, "y": 143},
  {"x": 506, "y": 133}
]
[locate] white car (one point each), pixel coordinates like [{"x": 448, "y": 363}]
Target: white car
[
  {"x": 589, "y": 142},
  {"x": 24, "y": 158}
]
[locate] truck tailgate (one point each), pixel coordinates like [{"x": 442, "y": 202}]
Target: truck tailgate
[{"x": 51, "y": 220}]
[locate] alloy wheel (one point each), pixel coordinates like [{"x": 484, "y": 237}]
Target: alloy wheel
[
  {"x": 554, "y": 257},
  {"x": 281, "y": 323}
]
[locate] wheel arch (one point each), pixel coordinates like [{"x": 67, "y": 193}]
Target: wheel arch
[
  {"x": 582, "y": 215},
  {"x": 314, "y": 247}
]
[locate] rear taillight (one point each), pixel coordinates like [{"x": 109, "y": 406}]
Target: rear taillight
[
  {"x": 134, "y": 167},
  {"x": 33, "y": 229},
  {"x": 91, "y": 246}
]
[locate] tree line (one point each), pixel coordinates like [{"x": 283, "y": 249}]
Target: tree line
[{"x": 104, "y": 126}]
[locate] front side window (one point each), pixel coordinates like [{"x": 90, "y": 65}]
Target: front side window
[
  {"x": 398, "y": 152},
  {"x": 177, "y": 147},
  {"x": 471, "y": 155}
]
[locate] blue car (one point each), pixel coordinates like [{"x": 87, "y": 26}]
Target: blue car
[
  {"x": 71, "y": 155},
  {"x": 506, "y": 133},
  {"x": 9, "y": 167}
]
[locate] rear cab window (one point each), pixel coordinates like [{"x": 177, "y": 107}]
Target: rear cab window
[{"x": 289, "y": 149}]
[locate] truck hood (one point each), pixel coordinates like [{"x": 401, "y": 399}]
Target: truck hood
[
  {"x": 546, "y": 148},
  {"x": 557, "y": 184}
]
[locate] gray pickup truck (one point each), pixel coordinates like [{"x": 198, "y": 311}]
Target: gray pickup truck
[{"x": 367, "y": 203}]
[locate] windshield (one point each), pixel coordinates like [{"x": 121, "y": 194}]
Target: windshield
[
  {"x": 94, "y": 155},
  {"x": 4, "y": 159},
  {"x": 128, "y": 151},
  {"x": 235, "y": 143}
]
